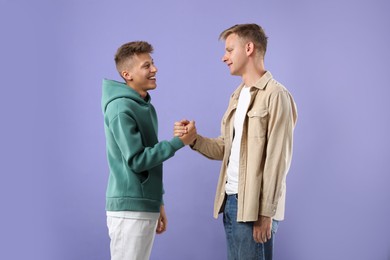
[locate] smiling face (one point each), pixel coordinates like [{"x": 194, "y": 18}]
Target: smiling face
[
  {"x": 235, "y": 55},
  {"x": 140, "y": 73}
]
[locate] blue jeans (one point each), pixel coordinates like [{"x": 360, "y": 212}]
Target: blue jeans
[{"x": 239, "y": 236}]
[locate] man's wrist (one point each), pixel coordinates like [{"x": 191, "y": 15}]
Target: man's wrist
[{"x": 193, "y": 143}]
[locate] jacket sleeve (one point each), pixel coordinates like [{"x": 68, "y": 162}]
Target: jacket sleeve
[
  {"x": 138, "y": 157},
  {"x": 282, "y": 118},
  {"x": 212, "y": 148}
]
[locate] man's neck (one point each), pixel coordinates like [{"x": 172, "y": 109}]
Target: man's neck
[
  {"x": 252, "y": 77},
  {"x": 141, "y": 92},
  {"x": 253, "y": 71}
]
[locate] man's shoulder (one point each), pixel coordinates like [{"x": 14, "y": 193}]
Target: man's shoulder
[{"x": 275, "y": 86}]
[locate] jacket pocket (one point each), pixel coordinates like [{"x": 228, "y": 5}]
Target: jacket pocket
[{"x": 257, "y": 123}]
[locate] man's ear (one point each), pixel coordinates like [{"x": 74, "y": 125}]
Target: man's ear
[
  {"x": 249, "y": 48},
  {"x": 126, "y": 75}
]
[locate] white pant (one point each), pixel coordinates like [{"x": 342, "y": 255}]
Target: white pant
[{"x": 131, "y": 239}]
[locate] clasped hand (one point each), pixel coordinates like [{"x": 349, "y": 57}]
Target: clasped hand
[{"x": 186, "y": 131}]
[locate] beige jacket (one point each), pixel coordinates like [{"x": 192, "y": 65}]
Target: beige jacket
[{"x": 266, "y": 150}]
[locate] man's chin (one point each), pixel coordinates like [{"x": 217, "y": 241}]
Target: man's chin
[{"x": 233, "y": 72}]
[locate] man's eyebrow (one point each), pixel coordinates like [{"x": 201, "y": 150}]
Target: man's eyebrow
[{"x": 146, "y": 63}]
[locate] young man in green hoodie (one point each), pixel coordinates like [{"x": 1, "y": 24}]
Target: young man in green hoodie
[{"x": 134, "y": 204}]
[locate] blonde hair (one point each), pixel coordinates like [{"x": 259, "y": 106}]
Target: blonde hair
[{"x": 250, "y": 32}]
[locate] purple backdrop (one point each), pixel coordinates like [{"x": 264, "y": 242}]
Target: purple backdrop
[{"x": 332, "y": 55}]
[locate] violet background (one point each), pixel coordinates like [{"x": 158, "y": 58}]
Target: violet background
[{"x": 332, "y": 55}]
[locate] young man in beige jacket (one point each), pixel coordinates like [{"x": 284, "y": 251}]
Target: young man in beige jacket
[{"x": 255, "y": 147}]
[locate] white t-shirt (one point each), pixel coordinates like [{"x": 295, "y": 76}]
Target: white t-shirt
[{"x": 231, "y": 186}]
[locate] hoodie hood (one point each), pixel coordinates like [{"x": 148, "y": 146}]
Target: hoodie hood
[{"x": 114, "y": 89}]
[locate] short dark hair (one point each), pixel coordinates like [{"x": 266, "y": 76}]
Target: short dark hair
[
  {"x": 251, "y": 32},
  {"x": 129, "y": 50}
]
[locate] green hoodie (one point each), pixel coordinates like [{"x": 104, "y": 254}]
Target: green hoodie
[{"x": 134, "y": 154}]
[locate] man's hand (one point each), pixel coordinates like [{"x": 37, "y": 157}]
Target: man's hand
[
  {"x": 180, "y": 128},
  {"x": 262, "y": 229},
  {"x": 162, "y": 221},
  {"x": 186, "y": 131}
]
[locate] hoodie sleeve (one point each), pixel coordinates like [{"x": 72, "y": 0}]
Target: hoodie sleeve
[{"x": 138, "y": 157}]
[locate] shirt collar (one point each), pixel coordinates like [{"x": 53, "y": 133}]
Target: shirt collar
[{"x": 260, "y": 84}]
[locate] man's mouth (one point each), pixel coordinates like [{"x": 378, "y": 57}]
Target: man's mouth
[{"x": 152, "y": 78}]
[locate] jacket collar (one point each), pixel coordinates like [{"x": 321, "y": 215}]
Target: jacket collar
[{"x": 260, "y": 84}]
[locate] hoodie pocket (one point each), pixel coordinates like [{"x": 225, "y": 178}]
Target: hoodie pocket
[
  {"x": 152, "y": 186},
  {"x": 143, "y": 177},
  {"x": 257, "y": 123}
]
